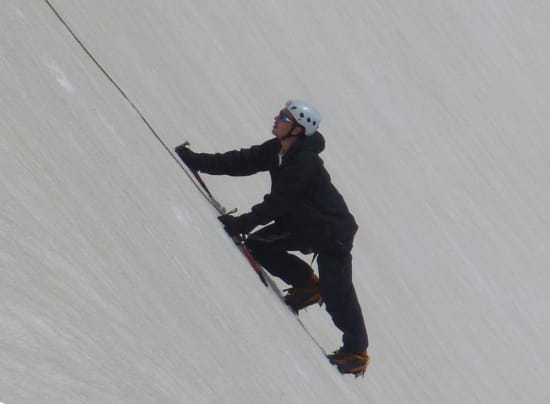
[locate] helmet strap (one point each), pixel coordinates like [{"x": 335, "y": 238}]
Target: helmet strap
[{"x": 289, "y": 134}]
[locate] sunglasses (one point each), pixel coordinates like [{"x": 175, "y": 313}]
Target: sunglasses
[{"x": 285, "y": 118}]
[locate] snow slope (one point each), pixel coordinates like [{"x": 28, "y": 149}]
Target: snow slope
[{"x": 118, "y": 284}]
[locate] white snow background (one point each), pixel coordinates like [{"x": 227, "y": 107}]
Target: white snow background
[{"x": 118, "y": 284}]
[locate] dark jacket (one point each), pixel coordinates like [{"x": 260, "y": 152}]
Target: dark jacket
[{"x": 302, "y": 200}]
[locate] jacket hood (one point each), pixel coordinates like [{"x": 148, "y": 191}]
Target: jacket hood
[{"x": 315, "y": 143}]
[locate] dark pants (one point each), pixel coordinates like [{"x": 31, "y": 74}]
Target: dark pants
[{"x": 270, "y": 247}]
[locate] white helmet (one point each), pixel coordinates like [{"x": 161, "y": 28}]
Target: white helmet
[{"x": 305, "y": 114}]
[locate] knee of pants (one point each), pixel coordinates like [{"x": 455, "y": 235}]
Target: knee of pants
[
  {"x": 336, "y": 279},
  {"x": 336, "y": 295},
  {"x": 259, "y": 250}
]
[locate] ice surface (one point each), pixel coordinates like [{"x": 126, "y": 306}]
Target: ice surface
[{"x": 118, "y": 284}]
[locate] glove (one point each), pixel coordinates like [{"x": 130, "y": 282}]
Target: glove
[
  {"x": 242, "y": 224},
  {"x": 189, "y": 157}
]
